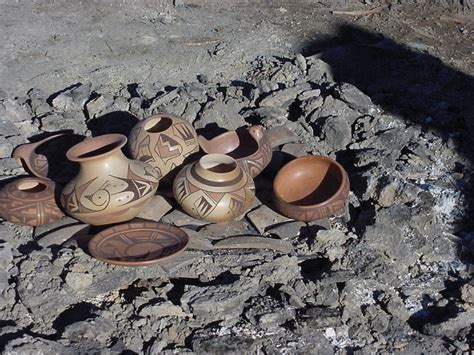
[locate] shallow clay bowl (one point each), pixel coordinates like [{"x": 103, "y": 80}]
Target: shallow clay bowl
[
  {"x": 311, "y": 188},
  {"x": 138, "y": 243}
]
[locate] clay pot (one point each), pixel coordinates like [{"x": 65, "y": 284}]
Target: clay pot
[
  {"x": 30, "y": 201},
  {"x": 311, "y": 188},
  {"x": 215, "y": 188},
  {"x": 164, "y": 141},
  {"x": 249, "y": 147},
  {"x": 46, "y": 158},
  {"x": 109, "y": 188},
  {"x": 138, "y": 243}
]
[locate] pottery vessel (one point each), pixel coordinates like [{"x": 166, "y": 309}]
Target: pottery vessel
[
  {"x": 214, "y": 189},
  {"x": 30, "y": 201},
  {"x": 164, "y": 141},
  {"x": 46, "y": 158},
  {"x": 249, "y": 147},
  {"x": 138, "y": 243},
  {"x": 109, "y": 187},
  {"x": 311, "y": 188}
]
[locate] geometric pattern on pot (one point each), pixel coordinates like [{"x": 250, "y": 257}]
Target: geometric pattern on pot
[
  {"x": 214, "y": 195},
  {"x": 164, "y": 141},
  {"x": 250, "y": 147},
  {"x": 109, "y": 187},
  {"x": 311, "y": 188},
  {"x": 30, "y": 201},
  {"x": 138, "y": 243}
]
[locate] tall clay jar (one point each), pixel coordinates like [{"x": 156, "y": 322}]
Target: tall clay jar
[
  {"x": 164, "y": 141},
  {"x": 215, "y": 188},
  {"x": 109, "y": 187}
]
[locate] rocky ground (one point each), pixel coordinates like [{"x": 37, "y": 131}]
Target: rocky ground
[{"x": 395, "y": 275}]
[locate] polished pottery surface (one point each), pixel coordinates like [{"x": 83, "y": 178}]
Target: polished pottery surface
[
  {"x": 109, "y": 188},
  {"x": 30, "y": 201},
  {"x": 164, "y": 141},
  {"x": 214, "y": 189},
  {"x": 250, "y": 147},
  {"x": 138, "y": 243},
  {"x": 311, "y": 188}
]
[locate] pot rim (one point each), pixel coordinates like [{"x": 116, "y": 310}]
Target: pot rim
[
  {"x": 345, "y": 179},
  {"x": 110, "y": 143}
]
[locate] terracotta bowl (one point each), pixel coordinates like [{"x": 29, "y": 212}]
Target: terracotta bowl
[{"x": 311, "y": 188}]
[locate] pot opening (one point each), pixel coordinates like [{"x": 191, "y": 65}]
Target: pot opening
[
  {"x": 99, "y": 151},
  {"x": 31, "y": 186},
  {"x": 218, "y": 163},
  {"x": 311, "y": 184},
  {"x": 159, "y": 124},
  {"x": 95, "y": 147}
]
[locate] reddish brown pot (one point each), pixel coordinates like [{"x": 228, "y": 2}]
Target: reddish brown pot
[
  {"x": 30, "y": 201},
  {"x": 109, "y": 188},
  {"x": 164, "y": 141},
  {"x": 249, "y": 147},
  {"x": 138, "y": 243},
  {"x": 311, "y": 188},
  {"x": 46, "y": 158}
]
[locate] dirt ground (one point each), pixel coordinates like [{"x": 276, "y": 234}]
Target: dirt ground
[{"x": 51, "y": 44}]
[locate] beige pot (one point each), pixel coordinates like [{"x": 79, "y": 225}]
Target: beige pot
[
  {"x": 215, "y": 188},
  {"x": 164, "y": 141},
  {"x": 109, "y": 187}
]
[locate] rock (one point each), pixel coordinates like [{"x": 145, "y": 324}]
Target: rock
[
  {"x": 222, "y": 230},
  {"x": 288, "y": 230},
  {"x": 222, "y": 302},
  {"x": 336, "y": 133},
  {"x": 98, "y": 330},
  {"x": 300, "y": 62},
  {"x": 467, "y": 294},
  {"x": 165, "y": 309},
  {"x": 269, "y": 117},
  {"x": 12, "y": 111},
  {"x": 332, "y": 107},
  {"x": 56, "y": 122},
  {"x": 283, "y": 98},
  {"x": 281, "y": 135},
  {"x": 27, "y": 344},
  {"x": 392, "y": 191},
  {"x": 309, "y": 94},
  {"x": 181, "y": 219},
  {"x": 451, "y": 326},
  {"x": 156, "y": 209},
  {"x": 295, "y": 149},
  {"x": 321, "y": 318},
  {"x": 8, "y": 128},
  {"x": 59, "y": 232},
  {"x": 198, "y": 240},
  {"x": 264, "y": 217},
  {"x": 72, "y": 99},
  {"x": 226, "y": 114},
  {"x": 99, "y": 105},
  {"x": 78, "y": 281},
  {"x": 355, "y": 98},
  {"x": 319, "y": 71}
]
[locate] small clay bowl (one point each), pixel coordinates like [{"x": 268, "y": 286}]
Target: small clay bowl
[
  {"x": 311, "y": 188},
  {"x": 30, "y": 201},
  {"x": 138, "y": 243}
]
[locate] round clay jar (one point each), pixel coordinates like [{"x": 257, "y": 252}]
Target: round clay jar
[
  {"x": 311, "y": 188},
  {"x": 215, "y": 188},
  {"x": 164, "y": 141},
  {"x": 109, "y": 187},
  {"x": 30, "y": 201}
]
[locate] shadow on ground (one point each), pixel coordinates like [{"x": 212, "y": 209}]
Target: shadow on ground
[{"x": 423, "y": 91}]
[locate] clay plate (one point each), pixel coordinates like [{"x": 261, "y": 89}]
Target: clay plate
[{"x": 138, "y": 244}]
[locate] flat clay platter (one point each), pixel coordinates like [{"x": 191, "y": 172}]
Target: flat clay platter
[{"x": 138, "y": 244}]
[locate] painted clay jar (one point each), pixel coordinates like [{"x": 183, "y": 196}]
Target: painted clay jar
[
  {"x": 46, "y": 158},
  {"x": 30, "y": 201},
  {"x": 109, "y": 187},
  {"x": 214, "y": 189},
  {"x": 250, "y": 147},
  {"x": 311, "y": 188},
  {"x": 164, "y": 141}
]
